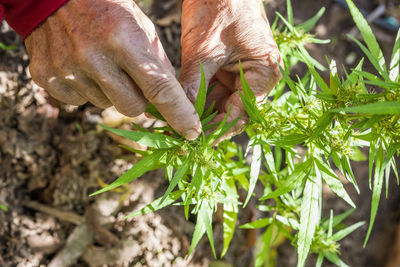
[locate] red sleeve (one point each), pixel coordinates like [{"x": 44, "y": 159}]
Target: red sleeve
[{"x": 25, "y": 15}]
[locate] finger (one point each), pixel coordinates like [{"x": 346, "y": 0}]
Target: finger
[
  {"x": 227, "y": 79},
  {"x": 64, "y": 93},
  {"x": 119, "y": 88},
  {"x": 89, "y": 90},
  {"x": 162, "y": 89}
]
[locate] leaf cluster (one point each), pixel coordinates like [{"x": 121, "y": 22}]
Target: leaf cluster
[{"x": 304, "y": 135}]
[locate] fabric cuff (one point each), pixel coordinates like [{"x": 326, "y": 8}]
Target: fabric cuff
[{"x": 25, "y": 15}]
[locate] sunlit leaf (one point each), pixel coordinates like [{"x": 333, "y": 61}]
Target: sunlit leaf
[
  {"x": 309, "y": 218},
  {"x": 157, "y": 204},
  {"x": 146, "y": 164}
]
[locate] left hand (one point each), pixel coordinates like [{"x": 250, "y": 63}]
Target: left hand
[{"x": 220, "y": 33}]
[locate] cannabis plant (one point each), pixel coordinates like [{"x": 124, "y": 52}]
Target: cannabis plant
[{"x": 300, "y": 137}]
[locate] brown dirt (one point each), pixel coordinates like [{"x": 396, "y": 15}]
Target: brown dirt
[{"x": 52, "y": 157}]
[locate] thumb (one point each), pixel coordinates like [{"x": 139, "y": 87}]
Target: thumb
[{"x": 190, "y": 75}]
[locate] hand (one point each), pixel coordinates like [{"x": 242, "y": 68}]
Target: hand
[
  {"x": 108, "y": 52},
  {"x": 219, "y": 33}
]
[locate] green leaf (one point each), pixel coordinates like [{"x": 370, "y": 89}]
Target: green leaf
[
  {"x": 202, "y": 94},
  {"x": 334, "y": 258},
  {"x": 375, "y": 62},
  {"x": 371, "y": 160},
  {"x": 292, "y": 181},
  {"x": 310, "y": 23},
  {"x": 367, "y": 33},
  {"x": 309, "y": 218},
  {"x": 203, "y": 224},
  {"x": 249, "y": 100},
  {"x": 346, "y": 231},
  {"x": 373, "y": 108},
  {"x": 266, "y": 241},
  {"x": 290, "y": 140},
  {"x": 289, "y": 10},
  {"x": 181, "y": 171},
  {"x": 254, "y": 170},
  {"x": 260, "y": 223},
  {"x": 322, "y": 123},
  {"x": 146, "y": 164},
  {"x": 318, "y": 79},
  {"x": 394, "y": 63},
  {"x": 320, "y": 260},
  {"x": 157, "y": 204},
  {"x": 3, "y": 207},
  {"x": 230, "y": 217},
  {"x": 332, "y": 181},
  {"x": 152, "y": 110},
  {"x": 376, "y": 190},
  {"x": 149, "y": 139},
  {"x": 338, "y": 218},
  {"x": 7, "y": 47}
]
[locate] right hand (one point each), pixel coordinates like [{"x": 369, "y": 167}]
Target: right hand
[{"x": 107, "y": 52}]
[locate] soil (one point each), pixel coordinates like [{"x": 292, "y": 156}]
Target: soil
[{"x": 52, "y": 156}]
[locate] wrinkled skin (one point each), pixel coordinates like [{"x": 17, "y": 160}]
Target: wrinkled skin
[
  {"x": 219, "y": 33},
  {"x": 107, "y": 52}
]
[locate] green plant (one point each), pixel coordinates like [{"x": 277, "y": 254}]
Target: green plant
[
  {"x": 328, "y": 121},
  {"x": 3, "y": 207},
  {"x": 7, "y": 47}
]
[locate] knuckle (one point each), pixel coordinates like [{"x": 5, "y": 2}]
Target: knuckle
[
  {"x": 84, "y": 56},
  {"x": 158, "y": 92}
]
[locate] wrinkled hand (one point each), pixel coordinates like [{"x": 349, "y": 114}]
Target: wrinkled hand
[
  {"x": 107, "y": 52},
  {"x": 219, "y": 33}
]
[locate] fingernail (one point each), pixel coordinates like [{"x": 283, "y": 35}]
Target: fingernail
[{"x": 192, "y": 134}]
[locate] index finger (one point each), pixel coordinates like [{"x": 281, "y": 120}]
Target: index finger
[{"x": 162, "y": 89}]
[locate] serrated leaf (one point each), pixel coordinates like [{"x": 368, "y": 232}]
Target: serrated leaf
[
  {"x": 180, "y": 172},
  {"x": 374, "y": 60},
  {"x": 310, "y": 23},
  {"x": 332, "y": 181},
  {"x": 338, "y": 218},
  {"x": 229, "y": 225},
  {"x": 309, "y": 218},
  {"x": 295, "y": 179},
  {"x": 395, "y": 60},
  {"x": 289, "y": 10},
  {"x": 373, "y": 108},
  {"x": 152, "y": 110},
  {"x": 290, "y": 140},
  {"x": 323, "y": 122},
  {"x": 367, "y": 33},
  {"x": 346, "y": 231},
  {"x": 202, "y": 94},
  {"x": 318, "y": 79},
  {"x": 249, "y": 100},
  {"x": 254, "y": 171},
  {"x": 203, "y": 224},
  {"x": 334, "y": 258},
  {"x": 260, "y": 223},
  {"x": 146, "y": 164},
  {"x": 157, "y": 204},
  {"x": 376, "y": 190},
  {"x": 320, "y": 260},
  {"x": 266, "y": 241},
  {"x": 149, "y": 139}
]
